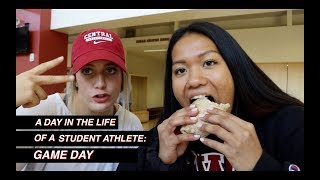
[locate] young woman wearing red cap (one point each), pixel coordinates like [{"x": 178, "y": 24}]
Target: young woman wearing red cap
[{"x": 99, "y": 76}]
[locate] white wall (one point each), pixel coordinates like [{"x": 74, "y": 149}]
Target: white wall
[
  {"x": 272, "y": 44},
  {"x": 282, "y": 44},
  {"x": 61, "y": 18},
  {"x": 263, "y": 45},
  {"x": 154, "y": 70}
]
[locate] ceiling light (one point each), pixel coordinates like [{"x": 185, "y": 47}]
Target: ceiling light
[{"x": 155, "y": 50}]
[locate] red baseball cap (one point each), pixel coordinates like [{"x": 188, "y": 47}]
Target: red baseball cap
[{"x": 97, "y": 44}]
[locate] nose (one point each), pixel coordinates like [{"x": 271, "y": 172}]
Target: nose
[
  {"x": 100, "y": 82},
  {"x": 196, "y": 78}
]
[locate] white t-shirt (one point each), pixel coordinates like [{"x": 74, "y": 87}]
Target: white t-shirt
[{"x": 54, "y": 105}]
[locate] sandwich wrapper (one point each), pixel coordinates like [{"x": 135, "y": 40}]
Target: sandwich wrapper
[{"x": 202, "y": 103}]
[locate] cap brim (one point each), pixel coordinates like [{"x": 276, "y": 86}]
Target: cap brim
[{"x": 86, "y": 58}]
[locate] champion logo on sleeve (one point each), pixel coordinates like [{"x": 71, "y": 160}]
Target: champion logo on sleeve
[{"x": 294, "y": 167}]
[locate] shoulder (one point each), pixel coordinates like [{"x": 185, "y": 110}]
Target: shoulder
[
  {"x": 283, "y": 126},
  {"x": 134, "y": 118},
  {"x": 290, "y": 113},
  {"x": 288, "y": 117},
  {"x": 62, "y": 95},
  {"x": 291, "y": 108},
  {"x": 132, "y": 121},
  {"x": 47, "y": 106}
]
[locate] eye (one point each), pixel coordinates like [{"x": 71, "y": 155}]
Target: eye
[
  {"x": 111, "y": 70},
  {"x": 179, "y": 71},
  {"x": 209, "y": 63},
  {"x": 86, "y": 71}
]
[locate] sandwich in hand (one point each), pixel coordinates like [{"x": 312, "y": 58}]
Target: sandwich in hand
[{"x": 202, "y": 103}]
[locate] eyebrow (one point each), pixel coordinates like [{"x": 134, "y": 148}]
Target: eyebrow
[
  {"x": 108, "y": 64},
  {"x": 200, "y": 55}
]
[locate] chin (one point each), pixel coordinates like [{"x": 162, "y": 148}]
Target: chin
[{"x": 99, "y": 108}]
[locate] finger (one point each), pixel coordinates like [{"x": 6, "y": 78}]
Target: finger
[
  {"x": 221, "y": 147},
  {"x": 170, "y": 126},
  {"x": 220, "y": 132},
  {"x": 42, "y": 95},
  {"x": 174, "y": 122},
  {"x": 188, "y": 137},
  {"x": 46, "y": 66},
  {"x": 33, "y": 101},
  {"x": 186, "y": 111},
  {"x": 46, "y": 80},
  {"x": 234, "y": 118},
  {"x": 181, "y": 117},
  {"x": 223, "y": 119}
]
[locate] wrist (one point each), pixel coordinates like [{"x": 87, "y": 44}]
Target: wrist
[{"x": 166, "y": 159}]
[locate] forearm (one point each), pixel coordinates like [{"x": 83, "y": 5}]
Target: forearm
[{"x": 269, "y": 163}]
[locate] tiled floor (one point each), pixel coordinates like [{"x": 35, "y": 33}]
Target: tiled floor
[{"x": 150, "y": 124}]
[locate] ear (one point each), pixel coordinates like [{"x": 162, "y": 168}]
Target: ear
[{"x": 75, "y": 82}]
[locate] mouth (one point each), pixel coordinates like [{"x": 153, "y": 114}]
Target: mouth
[
  {"x": 210, "y": 98},
  {"x": 100, "y": 98},
  {"x": 100, "y": 95}
]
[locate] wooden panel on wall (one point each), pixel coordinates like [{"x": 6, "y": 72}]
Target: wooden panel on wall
[
  {"x": 296, "y": 80},
  {"x": 138, "y": 93},
  {"x": 277, "y": 72},
  {"x": 142, "y": 115}
]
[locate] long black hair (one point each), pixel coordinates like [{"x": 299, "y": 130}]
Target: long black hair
[{"x": 256, "y": 95}]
